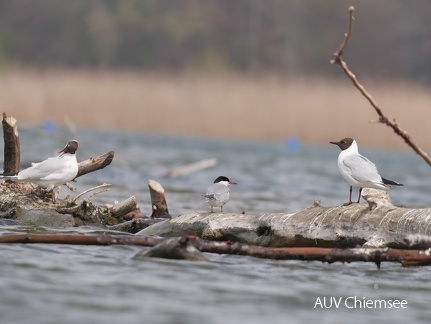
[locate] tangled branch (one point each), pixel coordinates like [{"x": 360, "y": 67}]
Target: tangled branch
[{"x": 382, "y": 118}]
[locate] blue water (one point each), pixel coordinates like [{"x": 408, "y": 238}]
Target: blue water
[{"x": 91, "y": 284}]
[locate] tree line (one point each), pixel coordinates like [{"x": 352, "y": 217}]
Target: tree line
[{"x": 390, "y": 37}]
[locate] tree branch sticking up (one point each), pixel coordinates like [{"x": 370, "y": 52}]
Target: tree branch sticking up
[{"x": 382, "y": 118}]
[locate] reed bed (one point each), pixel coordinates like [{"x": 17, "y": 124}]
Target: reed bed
[{"x": 256, "y": 107}]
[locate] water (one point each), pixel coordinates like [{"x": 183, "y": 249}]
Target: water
[{"x": 92, "y": 284}]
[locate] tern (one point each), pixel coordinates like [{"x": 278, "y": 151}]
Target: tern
[
  {"x": 52, "y": 172},
  {"x": 218, "y": 193},
  {"x": 358, "y": 170}
]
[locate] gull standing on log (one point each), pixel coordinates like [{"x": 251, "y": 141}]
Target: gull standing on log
[
  {"x": 52, "y": 172},
  {"x": 358, "y": 170},
  {"x": 218, "y": 193}
]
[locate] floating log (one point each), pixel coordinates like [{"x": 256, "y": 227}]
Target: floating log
[
  {"x": 158, "y": 200},
  {"x": 11, "y": 145},
  {"x": 190, "y": 168},
  {"x": 374, "y": 225}
]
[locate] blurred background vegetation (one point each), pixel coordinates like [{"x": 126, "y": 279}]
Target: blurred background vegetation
[
  {"x": 76, "y": 57},
  {"x": 391, "y": 38}
]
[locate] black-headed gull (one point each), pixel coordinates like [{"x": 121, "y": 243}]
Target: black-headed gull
[
  {"x": 358, "y": 170},
  {"x": 52, "y": 172}
]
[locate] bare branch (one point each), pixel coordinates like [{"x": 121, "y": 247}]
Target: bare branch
[
  {"x": 343, "y": 45},
  {"x": 382, "y": 118},
  {"x": 105, "y": 185}
]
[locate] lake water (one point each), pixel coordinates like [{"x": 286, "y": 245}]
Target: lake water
[{"x": 92, "y": 284}]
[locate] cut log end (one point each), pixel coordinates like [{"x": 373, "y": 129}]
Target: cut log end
[
  {"x": 158, "y": 200},
  {"x": 11, "y": 145},
  {"x": 155, "y": 187}
]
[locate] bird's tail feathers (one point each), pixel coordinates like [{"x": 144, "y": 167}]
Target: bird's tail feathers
[{"x": 390, "y": 182}]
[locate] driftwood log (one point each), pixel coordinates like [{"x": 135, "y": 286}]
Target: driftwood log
[{"x": 375, "y": 225}]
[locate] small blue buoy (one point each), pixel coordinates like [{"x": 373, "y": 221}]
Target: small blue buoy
[
  {"x": 292, "y": 144},
  {"x": 48, "y": 126}
]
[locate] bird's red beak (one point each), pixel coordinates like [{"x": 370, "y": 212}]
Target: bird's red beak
[{"x": 62, "y": 151}]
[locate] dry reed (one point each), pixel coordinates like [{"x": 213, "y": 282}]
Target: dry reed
[{"x": 264, "y": 107}]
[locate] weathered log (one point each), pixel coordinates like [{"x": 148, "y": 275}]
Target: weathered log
[
  {"x": 158, "y": 200},
  {"x": 11, "y": 145},
  {"x": 378, "y": 224},
  {"x": 95, "y": 163},
  {"x": 176, "y": 248},
  {"x": 124, "y": 207}
]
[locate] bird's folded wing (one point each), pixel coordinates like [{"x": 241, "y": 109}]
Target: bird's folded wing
[
  {"x": 45, "y": 170},
  {"x": 361, "y": 169}
]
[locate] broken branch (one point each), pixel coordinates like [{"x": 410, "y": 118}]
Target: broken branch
[{"x": 95, "y": 163}]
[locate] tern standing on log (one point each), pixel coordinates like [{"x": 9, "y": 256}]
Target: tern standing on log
[
  {"x": 218, "y": 193},
  {"x": 52, "y": 172},
  {"x": 358, "y": 170}
]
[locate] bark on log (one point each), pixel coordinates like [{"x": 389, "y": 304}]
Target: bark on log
[
  {"x": 11, "y": 145},
  {"x": 378, "y": 224},
  {"x": 95, "y": 163},
  {"x": 158, "y": 200}
]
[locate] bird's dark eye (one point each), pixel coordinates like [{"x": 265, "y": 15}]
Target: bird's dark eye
[{"x": 343, "y": 142}]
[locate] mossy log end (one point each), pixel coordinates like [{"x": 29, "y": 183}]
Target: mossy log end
[{"x": 376, "y": 224}]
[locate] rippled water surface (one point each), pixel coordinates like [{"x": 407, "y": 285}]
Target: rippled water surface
[{"x": 91, "y": 284}]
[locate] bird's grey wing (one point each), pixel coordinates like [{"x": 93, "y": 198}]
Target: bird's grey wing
[
  {"x": 215, "y": 191},
  {"x": 361, "y": 169}
]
